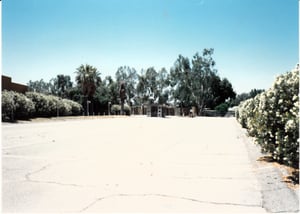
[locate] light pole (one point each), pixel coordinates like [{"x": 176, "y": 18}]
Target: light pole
[
  {"x": 87, "y": 104},
  {"x": 108, "y": 108},
  {"x": 57, "y": 102}
]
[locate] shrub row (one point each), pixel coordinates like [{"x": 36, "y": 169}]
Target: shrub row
[
  {"x": 272, "y": 118},
  {"x": 32, "y": 104}
]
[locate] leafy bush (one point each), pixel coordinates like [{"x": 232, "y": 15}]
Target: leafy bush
[
  {"x": 49, "y": 105},
  {"x": 8, "y": 105},
  {"x": 19, "y": 106},
  {"x": 42, "y": 106},
  {"x": 222, "y": 108},
  {"x": 272, "y": 118},
  {"x": 16, "y": 106},
  {"x": 76, "y": 108},
  {"x": 116, "y": 109},
  {"x": 24, "y": 106}
]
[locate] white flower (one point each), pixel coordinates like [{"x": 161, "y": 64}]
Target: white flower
[{"x": 290, "y": 125}]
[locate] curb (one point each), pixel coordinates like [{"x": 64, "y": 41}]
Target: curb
[{"x": 276, "y": 195}]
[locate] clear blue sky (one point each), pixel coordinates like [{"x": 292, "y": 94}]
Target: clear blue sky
[{"x": 254, "y": 40}]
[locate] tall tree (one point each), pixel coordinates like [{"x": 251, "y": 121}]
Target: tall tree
[
  {"x": 61, "y": 85},
  {"x": 147, "y": 86},
  {"x": 88, "y": 78},
  {"x": 180, "y": 81},
  {"x": 162, "y": 86},
  {"x": 141, "y": 88},
  {"x": 39, "y": 86},
  {"x": 203, "y": 74},
  {"x": 113, "y": 90},
  {"x": 128, "y": 76}
]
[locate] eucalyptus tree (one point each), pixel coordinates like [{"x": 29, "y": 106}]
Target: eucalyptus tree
[
  {"x": 61, "y": 85},
  {"x": 141, "y": 88},
  {"x": 128, "y": 76},
  {"x": 113, "y": 90},
  {"x": 151, "y": 83},
  {"x": 180, "y": 82},
  {"x": 203, "y": 75},
  {"x": 163, "y": 83},
  {"x": 39, "y": 86}
]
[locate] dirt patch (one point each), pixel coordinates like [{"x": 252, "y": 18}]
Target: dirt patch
[{"x": 290, "y": 175}]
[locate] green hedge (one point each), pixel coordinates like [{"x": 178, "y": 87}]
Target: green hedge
[
  {"x": 272, "y": 118},
  {"x": 32, "y": 104}
]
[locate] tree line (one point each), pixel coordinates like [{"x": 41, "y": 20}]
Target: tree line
[{"x": 187, "y": 83}]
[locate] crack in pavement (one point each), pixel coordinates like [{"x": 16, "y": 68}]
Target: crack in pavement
[
  {"x": 29, "y": 179},
  {"x": 168, "y": 196},
  {"x": 213, "y": 178}
]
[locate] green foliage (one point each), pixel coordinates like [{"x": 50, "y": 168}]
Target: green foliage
[
  {"x": 40, "y": 86},
  {"x": 188, "y": 83},
  {"x": 16, "y": 106},
  {"x": 197, "y": 83},
  {"x": 244, "y": 96},
  {"x": 272, "y": 118},
  {"x": 222, "y": 108},
  {"x": 88, "y": 78},
  {"x": 8, "y": 105},
  {"x": 42, "y": 106},
  {"x": 61, "y": 85},
  {"x": 129, "y": 77},
  {"x": 71, "y": 107},
  {"x": 19, "y": 106},
  {"x": 24, "y": 106},
  {"x": 116, "y": 109}
]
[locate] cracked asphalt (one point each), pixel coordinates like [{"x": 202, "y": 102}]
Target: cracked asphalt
[{"x": 130, "y": 164}]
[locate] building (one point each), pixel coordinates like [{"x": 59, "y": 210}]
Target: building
[{"x": 7, "y": 84}]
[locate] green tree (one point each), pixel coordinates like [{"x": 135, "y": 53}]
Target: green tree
[
  {"x": 141, "y": 88},
  {"x": 39, "y": 86},
  {"x": 113, "y": 90},
  {"x": 244, "y": 96},
  {"x": 203, "y": 76},
  {"x": 180, "y": 82},
  {"x": 129, "y": 77},
  {"x": 88, "y": 79},
  {"x": 147, "y": 86},
  {"x": 162, "y": 86},
  {"x": 61, "y": 85},
  {"x": 222, "y": 90}
]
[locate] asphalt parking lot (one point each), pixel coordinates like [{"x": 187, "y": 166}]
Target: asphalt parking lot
[{"x": 137, "y": 164}]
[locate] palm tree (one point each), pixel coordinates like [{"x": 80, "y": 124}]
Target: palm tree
[{"x": 88, "y": 78}]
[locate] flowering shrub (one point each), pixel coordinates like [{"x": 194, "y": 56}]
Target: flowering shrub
[
  {"x": 116, "y": 109},
  {"x": 33, "y": 104},
  {"x": 8, "y": 105},
  {"x": 16, "y": 105},
  {"x": 41, "y": 101},
  {"x": 272, "y": 118},
  {"x": 49, "y": 105}
]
